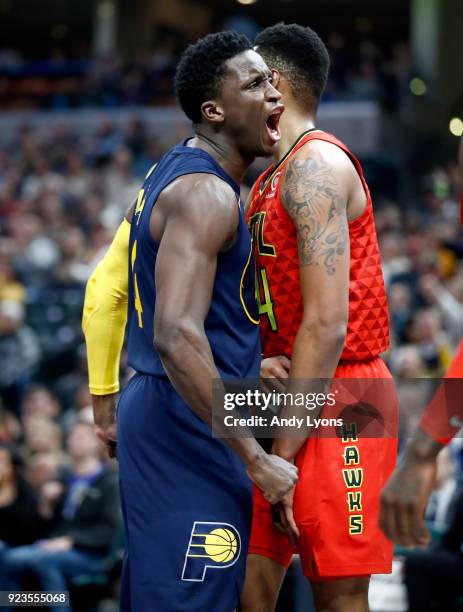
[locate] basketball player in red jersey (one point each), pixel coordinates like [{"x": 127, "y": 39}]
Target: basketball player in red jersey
[{"x": 323, "y": 307}]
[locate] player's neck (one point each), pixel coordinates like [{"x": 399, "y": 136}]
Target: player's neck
[
  {"x": 224, "y": 153},
  {"x": 293, "y": 123}
]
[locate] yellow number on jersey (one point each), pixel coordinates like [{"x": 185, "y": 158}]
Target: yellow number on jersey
[
  {"x": 266, "y": 306},
  {"x": 138, "y": 306},
  {"x": 140, "y": 204}
]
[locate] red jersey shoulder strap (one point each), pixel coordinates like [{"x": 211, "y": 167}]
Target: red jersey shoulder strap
[
  {"x": 327, "y": 137},
  {"x": 255, "y": 192}
]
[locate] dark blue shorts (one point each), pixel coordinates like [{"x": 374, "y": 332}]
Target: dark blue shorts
[{"x": 187, "y": 506}]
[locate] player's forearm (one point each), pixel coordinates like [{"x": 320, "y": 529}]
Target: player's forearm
[
  {"x": 187, "y": 358},
  {"x": 105, "y": 315},
  {"x": 315, "y": 356}
]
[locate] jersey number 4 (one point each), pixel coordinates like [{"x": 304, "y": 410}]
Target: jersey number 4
[{"x": 265, "y": 304}]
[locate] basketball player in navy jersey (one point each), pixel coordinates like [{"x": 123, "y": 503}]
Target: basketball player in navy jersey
[{"x": 186, "y": 496}]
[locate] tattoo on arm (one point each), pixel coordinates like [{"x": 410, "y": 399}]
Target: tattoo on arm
[{"x": 311, "y": 197}]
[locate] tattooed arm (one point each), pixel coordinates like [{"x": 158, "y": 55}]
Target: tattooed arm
[{"x": 315, "y": 191}]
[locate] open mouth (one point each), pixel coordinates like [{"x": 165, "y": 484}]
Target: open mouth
[{"x": 273, "y": 124}]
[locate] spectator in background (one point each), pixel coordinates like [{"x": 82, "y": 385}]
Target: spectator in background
[
  {"x": 42, "y": 435},
  {"x": 433, "y": 576},
  {"x": 431, "y": 341},
  {"x": 82, "y": 512},
  {"x": 400, "y": 310},
  {"x": 450, "y": 309},
  {"x": 39, "y": 401},
  {"x": 41, "y": 468},
  {"x": 19, "y": 350},
  {"x": 20, "y": 522}
]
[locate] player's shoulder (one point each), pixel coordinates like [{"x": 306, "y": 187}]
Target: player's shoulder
[
  {"x": 318, "y": 156},
  {"x": 200, "y": 189},
  {"x": 200, "y": 198}
]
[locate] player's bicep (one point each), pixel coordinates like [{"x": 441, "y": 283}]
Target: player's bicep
[
  {"x": 193, "y": 235},
  {"x": 317, "y": 205},
  {"x": 184, "y": 274}
]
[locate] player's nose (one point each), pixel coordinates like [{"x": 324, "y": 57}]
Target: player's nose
[{"x": 273, "y": 95}]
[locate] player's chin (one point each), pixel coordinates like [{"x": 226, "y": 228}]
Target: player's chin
[{"x": 270, "y": 140}]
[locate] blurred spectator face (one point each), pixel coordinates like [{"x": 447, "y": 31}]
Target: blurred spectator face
[
  {"x": 407, "y": 362},
  {"x": 72, "y": 244},
  {"x": 388, "y": 218},
  {"x": 391, "y": 246},
  {"x": 42, "y": 435},
  {"x": 25, "y": 228},
  {"x": 11, "y": 317},
  {"x": 123, "y": 160},
  {"x": 6, "y": 466},
  {"x": 41, "y": 468},
  {"x": 426, "y": 326},
  {"x": 82, "y": 442},
  {"x": 40, "y": 402},
  {"x": 399, "y": 297}
]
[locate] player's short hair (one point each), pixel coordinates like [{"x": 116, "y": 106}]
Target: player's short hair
[
  {"x": 202, "y": 68},
  {"x": 300, "y": 55}
]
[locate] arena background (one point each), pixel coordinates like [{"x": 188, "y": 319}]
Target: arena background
[{"x": 87, "y": 106}]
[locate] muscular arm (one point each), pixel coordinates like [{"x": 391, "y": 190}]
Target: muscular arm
[
  {"x": 315, "y": 194},
  {"x": 200, "y": 215},
  {"x": 103, "y": 322}
]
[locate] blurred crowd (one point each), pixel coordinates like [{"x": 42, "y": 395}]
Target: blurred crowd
[
  {"x": 361, "y": 70},
  {"x": 62, "y": 194}
]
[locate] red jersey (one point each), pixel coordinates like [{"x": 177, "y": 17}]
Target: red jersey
[{"x": 277, "y": 275}]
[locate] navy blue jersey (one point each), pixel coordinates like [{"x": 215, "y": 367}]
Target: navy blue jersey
[{"x": 232, "y": 322}]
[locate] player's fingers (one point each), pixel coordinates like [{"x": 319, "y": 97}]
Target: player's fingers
[
  {"x": 403, "y": 519},
  {"x": 387, "y": 518},
  {"x": 292, "y": 529},
  {"x": 276, "y": 518},
  {"x": 283, "y": 520},
  {"x": 285, "y": 362},
  {"x": 420, "y": 534}
]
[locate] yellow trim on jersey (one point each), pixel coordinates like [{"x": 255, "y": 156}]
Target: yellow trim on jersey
[
  {"x": 105, "y": 314},
  {"x": 256, "y": 322}
]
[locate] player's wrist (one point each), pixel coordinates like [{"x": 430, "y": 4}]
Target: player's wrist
[
  {"x": 422, "y": 448},
  {"x": 255, "y": 458},
  {"x": 283, "y": 451}
]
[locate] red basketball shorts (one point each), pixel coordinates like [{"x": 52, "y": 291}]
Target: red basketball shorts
[{"x": 336, "y": 501}]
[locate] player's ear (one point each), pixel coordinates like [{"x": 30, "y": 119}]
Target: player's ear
[
  {"x": 276, "y": 77},
  {"x": 212, "y": 111}
]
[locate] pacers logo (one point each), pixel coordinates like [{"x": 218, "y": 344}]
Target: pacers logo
[{"x": 212, "y": 545}]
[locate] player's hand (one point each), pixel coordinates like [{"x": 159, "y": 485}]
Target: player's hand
[
  {"x": 273, "y": 475},
  {"x": 104, "y": 409},
  {"x": 403, "y": 502},
  {"x": 276, "y": 368},
  {"x": 286, "y": 523}
]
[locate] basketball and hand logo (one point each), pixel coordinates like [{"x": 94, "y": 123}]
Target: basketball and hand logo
[{"x": 211, "y": 546}]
